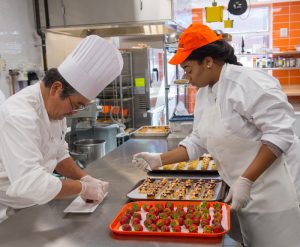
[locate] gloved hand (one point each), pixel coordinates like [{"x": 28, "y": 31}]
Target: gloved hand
[
  {"x": 239, "y": 193},
  {"x": 92, "y": 190},
  {"x": 89, "y": 178},
  {"x": 146, "y": 160}
]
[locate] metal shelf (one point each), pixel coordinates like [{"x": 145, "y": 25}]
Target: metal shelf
[
  {"x": 270, "y": 53},
  {"x": 108, "y": 120},
  {"x": 109, "y": 89},
  {"x": 281, "y": 68},
  {"x": 114, "y": 100}
]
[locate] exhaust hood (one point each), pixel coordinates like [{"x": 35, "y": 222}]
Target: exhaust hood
[
  {"x": 110, "y": 18},
  {"x": 122, "y": 29}
]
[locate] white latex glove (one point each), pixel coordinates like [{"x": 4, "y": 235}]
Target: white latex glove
[
  {"x": 92, "y": 190},
  {"x": 89, "y": 178},
  {"x": 147, "y": 161},
  {"x": 239, "y": 193}
]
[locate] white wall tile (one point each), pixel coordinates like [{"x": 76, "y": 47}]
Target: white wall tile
[{"x": 20, "y": 46}]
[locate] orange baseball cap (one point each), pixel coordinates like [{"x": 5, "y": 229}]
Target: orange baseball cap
[{"x": 194, "y": 37}]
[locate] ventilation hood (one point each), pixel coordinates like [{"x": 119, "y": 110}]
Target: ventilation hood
[{"x": 122, "y": 29}]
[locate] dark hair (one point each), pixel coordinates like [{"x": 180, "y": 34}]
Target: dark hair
[
  {"x": 52, "y": 75},
  {"x": 219, "y": 50}
]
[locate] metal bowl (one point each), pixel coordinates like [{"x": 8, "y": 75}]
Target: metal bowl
[{"x": 93, "y": 148}]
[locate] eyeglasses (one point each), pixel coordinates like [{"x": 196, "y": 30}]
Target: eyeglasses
[{"x": 76, "y": 108}]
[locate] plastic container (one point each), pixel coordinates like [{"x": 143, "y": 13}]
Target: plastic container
[{"x": 182, "y": 124}]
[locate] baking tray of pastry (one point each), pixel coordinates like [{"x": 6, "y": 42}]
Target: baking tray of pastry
[
  {"x": 173, "y": 219},
  {"x": 149, "y": 131},
  {"x": 205, "y": 164},
  {"x": 182, "y": 189}
]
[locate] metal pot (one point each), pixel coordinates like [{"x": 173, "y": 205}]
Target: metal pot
[{"x": 93, "y": 148}]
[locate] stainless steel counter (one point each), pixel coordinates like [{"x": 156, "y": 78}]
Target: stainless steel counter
[{"x": 49, "y": 226}]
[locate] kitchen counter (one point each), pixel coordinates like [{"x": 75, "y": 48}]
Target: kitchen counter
[{"x": 48, "y": 225}]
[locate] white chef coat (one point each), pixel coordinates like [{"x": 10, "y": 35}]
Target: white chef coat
[
  {"x": 273, "y": 205},
  {"x": 31, "y": 145},
  {"x": 2, "y": 97},
  {"x": 252, "y": 107}
]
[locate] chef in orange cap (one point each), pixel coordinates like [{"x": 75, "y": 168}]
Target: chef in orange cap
[
  {"x": 33, "y": 126},
  {"x": 243, "y": 119}
]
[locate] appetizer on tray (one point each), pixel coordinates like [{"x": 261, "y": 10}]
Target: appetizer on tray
[
  {"x": 178, "y": 189},
  {"x": 152, "y": 131},
  {"x": 186, "y": 219}
]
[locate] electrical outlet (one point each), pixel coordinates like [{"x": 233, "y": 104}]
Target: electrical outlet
[{"x": 283, "y": 32}]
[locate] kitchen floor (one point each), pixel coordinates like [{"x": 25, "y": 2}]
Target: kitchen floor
[{"x": 229, "y": 242}]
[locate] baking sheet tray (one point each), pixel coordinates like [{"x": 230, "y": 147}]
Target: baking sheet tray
[
  {"x": 219, "y": 190},
  {"x": 186, "y": 169},
  {"x": 163, "y": 130},
  {"x": 116, "y": 227}
]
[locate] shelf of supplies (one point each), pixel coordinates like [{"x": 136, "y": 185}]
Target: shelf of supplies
[
  {"x": 270, "y": 53},
  {"x": 291, "y": 90},
  {"x": 282, "y": 68},
  {"x": 118, "y": 88},
  {"x": 108, "y": 120},
  {"x": 115, "y": 100}
]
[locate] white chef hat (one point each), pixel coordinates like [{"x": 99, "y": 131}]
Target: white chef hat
[{"x": 92, "y": 65}]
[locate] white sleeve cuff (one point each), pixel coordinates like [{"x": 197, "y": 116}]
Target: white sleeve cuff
[
  {"x": 283, "y": 142},
  {"x": 193, "y": 151},
  {"x": 67, "y": 155}
]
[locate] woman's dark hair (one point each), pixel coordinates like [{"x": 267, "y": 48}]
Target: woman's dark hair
[
  {"x": 52, "y": 75},
  {"x": 219, "y": 50}
]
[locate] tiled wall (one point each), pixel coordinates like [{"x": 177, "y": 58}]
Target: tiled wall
[
  {"x": 197, "y": 17},
  {"x": 20, "y": 46},
  {"x": 286, "y": 15}
]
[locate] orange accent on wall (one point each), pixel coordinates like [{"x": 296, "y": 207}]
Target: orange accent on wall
[
  {"x": 286, "y": 15},
  {"x": 280, "y": 73},
  {"x": 197, "y": 15},
  {"x": 191, "y": 93}
]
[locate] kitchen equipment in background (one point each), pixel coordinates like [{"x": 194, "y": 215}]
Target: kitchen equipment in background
[
  {"x": 243, "y": 45},
  {"x": 14, "y": 73},
  {"x": 228, "y": 23},
  {"x": 83, "y": 125},
  {"x": 92, "y": 148},
  {"x": 149, "y": 88},
  {"x": 86, "y": 118},
  {"x": 214, "y": 13},
  {"x": 181, "y": 127},
  {"x": 237, "y": 7},
  {"x": 117, "y": 98}
]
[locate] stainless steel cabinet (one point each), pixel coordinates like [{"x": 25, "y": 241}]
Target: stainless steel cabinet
[{"x": 78, "y": 12}]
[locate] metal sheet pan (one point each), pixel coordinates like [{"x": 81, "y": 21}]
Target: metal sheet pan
[
  {"x": 185, "y": 169},
  {"x": 151, "y": 131},
  {"x": 219, "y": 191}
]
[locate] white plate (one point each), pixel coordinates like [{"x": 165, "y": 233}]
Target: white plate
[{"x": 78, "y": 205}]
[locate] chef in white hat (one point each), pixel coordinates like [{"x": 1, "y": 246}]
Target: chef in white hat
[{"x": 32, "y": 123}]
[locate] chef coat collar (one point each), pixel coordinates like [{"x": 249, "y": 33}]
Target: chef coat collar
[{"x": 214, "y": 88}]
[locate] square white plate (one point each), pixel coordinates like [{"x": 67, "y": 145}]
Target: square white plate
[{"x": 78, "y": 205}]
